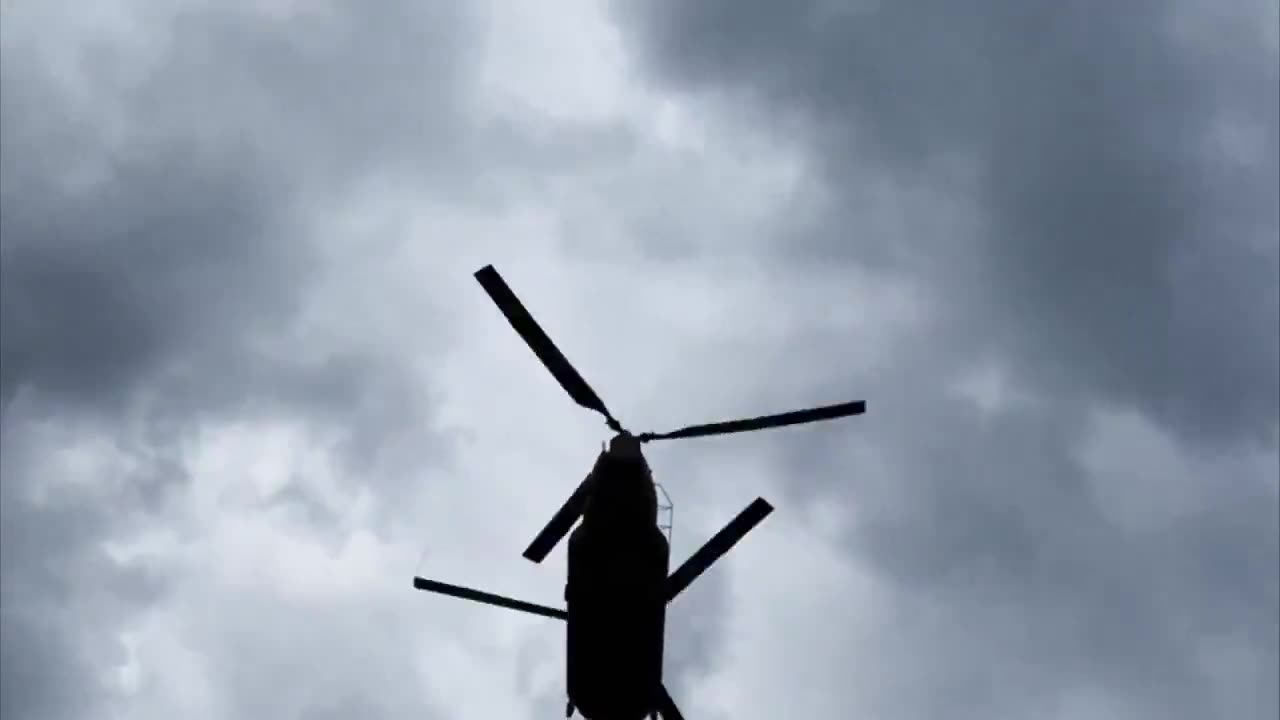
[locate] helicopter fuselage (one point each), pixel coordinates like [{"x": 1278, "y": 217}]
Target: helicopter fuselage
[
  {"x": 616, "y": 595},
  {"x": 618, "y": 584}
]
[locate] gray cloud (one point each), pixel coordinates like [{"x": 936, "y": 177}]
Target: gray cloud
[
  {"x": 1119, "y": 248},
  {"x": 189, "y": 246},
  {"x": 337, "y": 93},
  {"x": 156, "y": 255},
  {"x": 1036, "y": 583},
  {"x": 1053, "y": 186},
  {"x": 168, "y": 263},
  {"x": 1100, "y": 244}
]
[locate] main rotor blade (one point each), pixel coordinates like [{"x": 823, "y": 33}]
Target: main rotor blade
[
  {"x": 560, "y": 523},
  {"x": 537, "y": 340},
  {"x": 796, "y": 417},
  {"x": 717, "y": 546},
  {"x": 467, "y": 593},
  {"x": 667, "y": 706}
]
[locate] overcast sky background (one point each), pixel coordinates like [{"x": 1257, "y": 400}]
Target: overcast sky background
[{"x": 250, "y": 387}]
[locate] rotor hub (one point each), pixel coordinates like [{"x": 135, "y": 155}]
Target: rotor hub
[{"x": 625, "y": 445}]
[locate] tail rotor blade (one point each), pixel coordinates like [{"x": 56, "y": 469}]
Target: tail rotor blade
[
  {"x": 560, "y": 523},
  {"x": 467, "y": 593},
  {"x": 717, "y": 546},
  {"x": 538, "y": 341},
  {"x": 797, "y": 417}
]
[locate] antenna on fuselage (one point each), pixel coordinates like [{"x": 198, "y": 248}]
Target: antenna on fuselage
[{"x": 667, "y": 507}]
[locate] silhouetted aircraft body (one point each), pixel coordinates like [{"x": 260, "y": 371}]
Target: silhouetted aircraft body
[
  {"x": 618, "y": 585},
  {"x": 615, "y": 594}
]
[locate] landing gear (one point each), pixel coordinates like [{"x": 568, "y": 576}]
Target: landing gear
[{"x": 568, "y": 710}]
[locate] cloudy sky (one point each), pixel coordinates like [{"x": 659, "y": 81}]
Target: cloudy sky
[{"x": 250, "y": 387}]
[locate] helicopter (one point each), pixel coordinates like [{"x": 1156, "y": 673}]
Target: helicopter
[{"x": 618, "y": 586}]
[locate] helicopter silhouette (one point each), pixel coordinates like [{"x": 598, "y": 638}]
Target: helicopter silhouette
[{"x": 618, "y": 586}]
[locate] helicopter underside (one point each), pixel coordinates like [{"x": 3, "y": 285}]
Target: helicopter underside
[{"x": 617, "y": 615}]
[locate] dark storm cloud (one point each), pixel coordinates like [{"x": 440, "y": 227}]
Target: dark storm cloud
[
  {"x": 168, "y": 261},
  {"x": 336, "y": 92},
  {"x": 994, "y": 530},
  {"x": 143, "y": 272},
  {"x": 1123, "y": 247},
  {"x": 190, "y": 245},
  {"x": 100, "y": 289},
  {"x": 1124, "y": 255}
]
